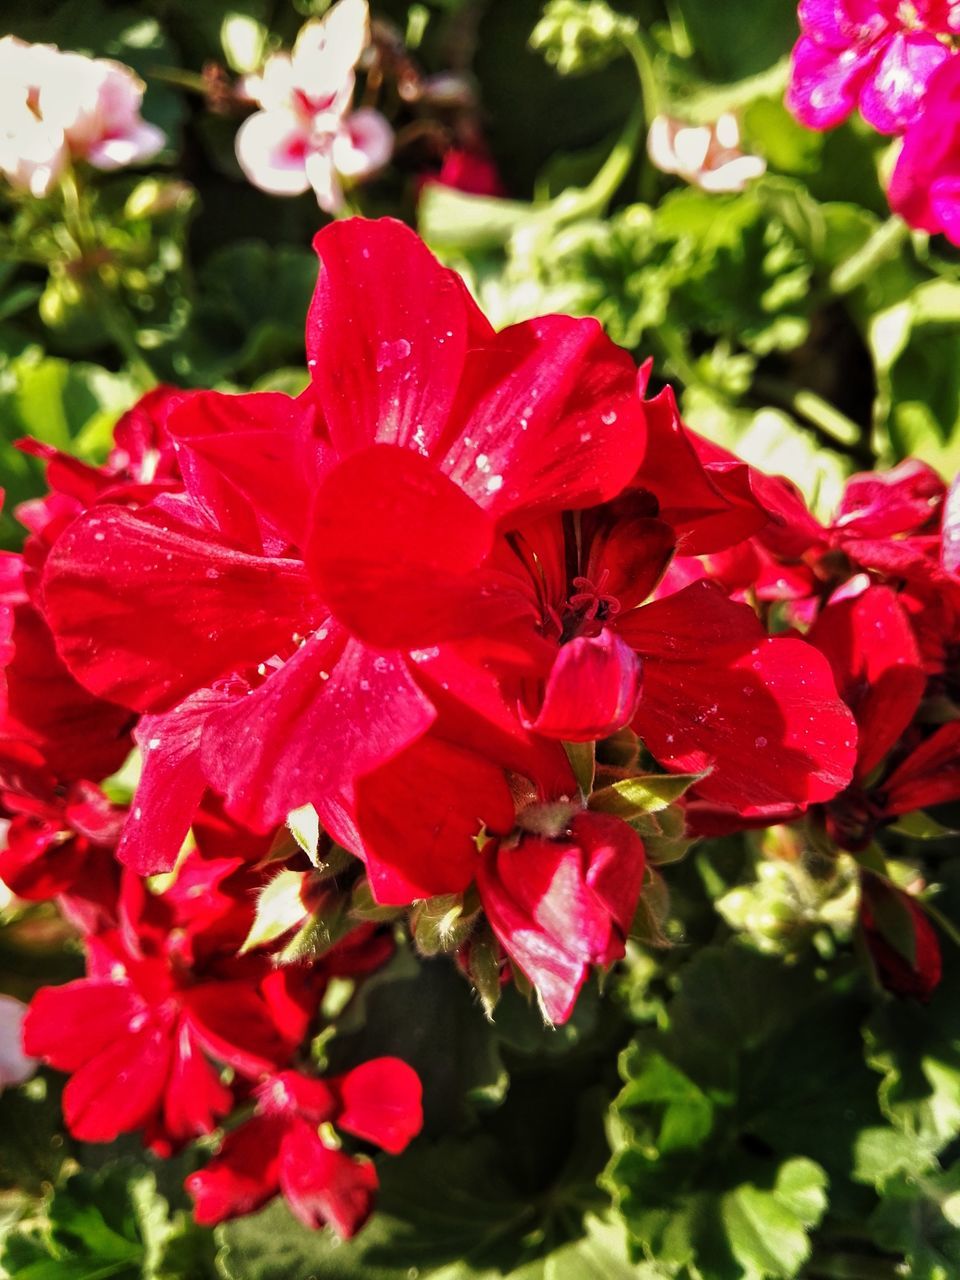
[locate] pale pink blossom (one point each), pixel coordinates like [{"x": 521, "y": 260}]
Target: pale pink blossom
[
  {"x": 304, "y": 134},
  {"x": 708, "y": 156},
  {"x": 56, "y": 107},
  {"x": 15, "y": 1066}
]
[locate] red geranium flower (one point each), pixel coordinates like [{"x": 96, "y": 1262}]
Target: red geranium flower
[
  {"x": 282, "y": 1149},
  {"x": 560, "y": 905},
  {"x": 165, "y": 999},
  {"x": 269, "y": 618}
]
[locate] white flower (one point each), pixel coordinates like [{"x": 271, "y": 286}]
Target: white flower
[
  {"x": 15, "y": 1066},
  {"x": 304, "y": 135},
  {"x": 708, "y": 156},
  {"x": 57, "y": 106}
]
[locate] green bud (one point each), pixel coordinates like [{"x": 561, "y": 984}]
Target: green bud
[{"x": 577, "y": 36}]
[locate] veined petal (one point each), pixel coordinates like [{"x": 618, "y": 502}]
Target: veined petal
[
  {"x": 323, "y": 1186},
  {"x": 761, "y": 714},
  {"x": 592, "y": 689},
  {"x": 419, "y": 816},
  {"x": 333, "y": 711},
  {"x": 242, "y": 1176},
  {"x": 146, "y": 611},
  {"x": 870, "y": 646},
  {"x": 263, "y": 444},
  {"x": 548, "y": 418},
  {"x": 387, "y": 333},
  {"x": 398, "y": 553},
  {"x": 382, "y": 1103},
  {"x": 171, "y": 784}
]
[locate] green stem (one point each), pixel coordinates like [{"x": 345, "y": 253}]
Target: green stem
[
  {"x": 812, "y": 408},
  {"x": 883, "y": 245},
  {"x": 594, "y": 199},
  {"x": 115, "y": 319}
]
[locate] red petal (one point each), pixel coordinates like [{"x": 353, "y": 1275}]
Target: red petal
[
  {"x": 386, "y": 335},
  {"x": 69, "y": 1025},
  {"x": 334, "y": 711},
  {"x": 592, "y": 689},
  {"x": 234, "y": 1026},
  {"x": 145, "y": 611},
  {"x": 396, "y": 551},
  {"x": 710, "y": 510},
  {"x": 552, "y": 966},
  {"x": 930, "y": 775},
  {"x": 120, "y": 1088},
  {"x": 548, "y": 419},
  {"x": 80, "y": 736},
  {"x": 195, "y": 1099},
  {"x": 324, "y": 1187},
  {"x": 243, "y": 1176},
  {"x": 951, "y": 529},
  {"x": 419, "y": 816},
  {"x": 616, "y": 861},
  {"x": 880, "y": 504},
  {"x": 263, "y": 444},
  {"x": 762, "y": 714},
  {"x": 170, "y": 787},
  {"x": 38, "y": 863},
  {"x": 870, "y": 646},
  {"x": 382, "y": 1102}
]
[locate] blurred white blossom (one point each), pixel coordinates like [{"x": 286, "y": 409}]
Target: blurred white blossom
[
  {"x": 305, "y": 134},
  {"x": 57, "y": 106},
  {"x": 708, "y": 156},
  {"x": 15, "y": 1066}
]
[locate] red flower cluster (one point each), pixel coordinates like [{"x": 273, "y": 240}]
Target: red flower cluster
[
  {"x": 409, "y": 598},
  {"x": 877, "y": 591}
]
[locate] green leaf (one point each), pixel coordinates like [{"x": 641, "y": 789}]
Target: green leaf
[
  {"x": 916, "y": 1048},
  {"x": 425, "y": 1013},
  {"x": 72, "y": 406},
  {"x": 280, "y": 907},
  {"x": 921, "y": 826},
  {"x": 113, "y": 1223},
  {"x": 920, "y": 1218},
  {"x": 251, "y": 312},
  {"x": 646, "y": 793},
  {"x": 304, "y": 825},
  {"x": 583, "y": 761},
  {"x": 727, "y": 1134}
]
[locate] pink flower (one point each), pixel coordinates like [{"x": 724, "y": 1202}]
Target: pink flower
[
  {"x": 56, "y": 107},
  {"x": 925, "y": 186},
  {"x": 15, "y": 1066},
  {"x": 877, "y": 55},
  {"x": 708, "y": 156},
  {"x": 304, "y": 135},
  {"x": 282, "y": 1146},
  {"x": 559, "y": 905}
]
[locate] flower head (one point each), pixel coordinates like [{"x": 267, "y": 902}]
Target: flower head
[
  {"x": 59, "y": 106},
  {"x": 304, "y": 134},
  {"x": 708, "y": 156}
]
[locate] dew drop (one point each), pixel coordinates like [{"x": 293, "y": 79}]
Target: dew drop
[
  {"x": 760, "y": 743},
  {"x": 389, "y": 353},
  {"x": 609, "y": 418},
  {"x": 494, "y": 483}
]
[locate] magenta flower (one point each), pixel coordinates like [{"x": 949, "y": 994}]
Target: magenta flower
[
  {"x": 925, "y": 187},
  {"x": 875, "y": 55}
]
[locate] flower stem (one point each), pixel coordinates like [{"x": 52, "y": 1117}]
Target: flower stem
[
  {"x": 115, "y": 319},
  {"x": 883, "y": 245},
  {"x": 813, "y": 408}
]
